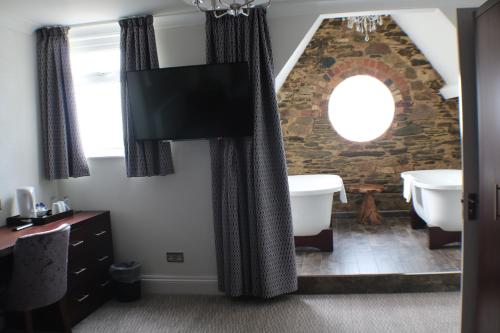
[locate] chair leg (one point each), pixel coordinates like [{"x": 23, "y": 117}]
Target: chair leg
[
  {"x": 63, "y": 309},
  {"x": 28, "y": 321}
]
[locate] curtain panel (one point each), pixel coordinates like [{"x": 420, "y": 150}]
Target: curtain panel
[
  {"x": 252, "y": 216},
  {"x": 138, "y": 52},
  {"x": 62, "y": 149}
]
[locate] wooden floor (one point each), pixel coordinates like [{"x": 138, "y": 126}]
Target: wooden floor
[{"x": 392, "y": 247}]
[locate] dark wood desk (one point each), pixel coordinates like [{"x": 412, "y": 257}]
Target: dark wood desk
[
  {"x": 8, "y": 237},
  {"x": 89, "y": 256}
]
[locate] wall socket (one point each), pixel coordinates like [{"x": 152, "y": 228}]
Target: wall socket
[{"x": 175, "y": 256}]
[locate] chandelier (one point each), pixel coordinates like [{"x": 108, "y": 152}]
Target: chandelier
[
  {"x": 364, "y": 24},
  {"x": 234, "y": 8}
]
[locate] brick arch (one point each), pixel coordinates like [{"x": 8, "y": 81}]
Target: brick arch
[{"x": 395, "y": 81}]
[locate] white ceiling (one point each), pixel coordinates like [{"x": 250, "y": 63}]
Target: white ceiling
[
  {"x": 70, "y": 12},
  {"x": 36, "y": 13}
]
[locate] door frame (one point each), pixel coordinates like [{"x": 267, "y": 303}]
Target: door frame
[{"x": 466, "y": 27}]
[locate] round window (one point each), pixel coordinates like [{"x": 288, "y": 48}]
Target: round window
[{"x": 361, "y": 108}]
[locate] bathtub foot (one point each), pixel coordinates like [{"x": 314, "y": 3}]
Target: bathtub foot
[
  {"x": 416, "y": 221},
  {"x": 322, "y": 241},
  {"x": 438, "y": 237}
]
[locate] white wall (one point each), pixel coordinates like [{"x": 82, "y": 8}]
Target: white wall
[
  {"x": 286, "y": 34},
  {"x": 151, "y": 216},
  {"x": 19, "y": 131}
]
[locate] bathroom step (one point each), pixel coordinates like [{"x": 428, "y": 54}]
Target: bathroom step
[{"x": 379, "y": 283}]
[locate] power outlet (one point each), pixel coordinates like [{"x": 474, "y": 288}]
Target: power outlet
[{"x": 175, "y": 256}]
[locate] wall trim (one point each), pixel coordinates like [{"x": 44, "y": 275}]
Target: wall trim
[
  {"x": 180, "y": 285},
  {"x": 179, "y": 19}
]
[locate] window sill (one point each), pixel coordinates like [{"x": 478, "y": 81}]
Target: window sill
[
  {"x": 106, "y": 153},
  {"x": 105, "y": 156}
]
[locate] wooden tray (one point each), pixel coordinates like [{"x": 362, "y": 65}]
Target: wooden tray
[{"x": 18, "y": 220}]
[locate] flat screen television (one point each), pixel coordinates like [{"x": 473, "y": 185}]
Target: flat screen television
[{"x": 192, "y": 102}]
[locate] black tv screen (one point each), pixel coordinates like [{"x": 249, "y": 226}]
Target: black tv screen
[{"x": 192, "y": 102}]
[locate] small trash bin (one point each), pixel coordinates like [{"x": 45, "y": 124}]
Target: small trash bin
[{"x": 126, "y": 281}]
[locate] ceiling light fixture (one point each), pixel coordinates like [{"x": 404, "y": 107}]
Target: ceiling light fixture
[
  {"x": 364, "y": 24},
  {"x": 222, "y": 8}
]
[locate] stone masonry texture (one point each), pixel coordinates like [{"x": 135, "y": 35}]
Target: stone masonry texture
[{"x": 425, "y": 132}]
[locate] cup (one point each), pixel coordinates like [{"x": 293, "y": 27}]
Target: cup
[
  {"x": 62, "y": 206},
  {"x": 55, "y": 208}
]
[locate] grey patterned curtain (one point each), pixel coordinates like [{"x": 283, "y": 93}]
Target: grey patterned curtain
[
  {"x": 252, "y": 218},
  {"x": 138, "y": 52},
  {"x": 62, "y": 148}
]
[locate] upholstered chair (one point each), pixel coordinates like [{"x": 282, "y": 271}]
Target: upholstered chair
[{"x": 39, "y": 274}]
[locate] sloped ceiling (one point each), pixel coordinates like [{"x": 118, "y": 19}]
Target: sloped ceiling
[
  {"x": 436, "y": 37},
  {"x": 431, "y": 30}
]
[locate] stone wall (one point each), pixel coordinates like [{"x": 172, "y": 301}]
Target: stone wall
[{"x": 424, "y": 134}]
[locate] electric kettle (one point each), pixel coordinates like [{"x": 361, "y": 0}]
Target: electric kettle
[{"x": 26, "y": 201}]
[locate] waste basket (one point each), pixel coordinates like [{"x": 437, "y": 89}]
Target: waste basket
[{"x": 126, "y": 278}]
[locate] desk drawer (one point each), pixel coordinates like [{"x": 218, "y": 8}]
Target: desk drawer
[
  {"x": 81, "y": 276},
  {"x": 83, "y": 301},
  {"x": 100, "y": 233},
  {"x": 81, "y": 304}
]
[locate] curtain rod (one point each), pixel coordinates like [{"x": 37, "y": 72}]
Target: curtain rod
[{"x": 81, "y": 25}]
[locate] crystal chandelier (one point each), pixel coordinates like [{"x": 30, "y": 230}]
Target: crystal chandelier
[
  {"x": 364, "y": 24},
  {"x": 234, "y": 8}
]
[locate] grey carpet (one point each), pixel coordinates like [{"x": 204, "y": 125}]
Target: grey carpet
[{"x": 431, "y": 312}]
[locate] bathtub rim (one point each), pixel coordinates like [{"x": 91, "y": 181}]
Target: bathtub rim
[
  {"x": 321, "y": 191},
  {"x": 428, "y": 186}
]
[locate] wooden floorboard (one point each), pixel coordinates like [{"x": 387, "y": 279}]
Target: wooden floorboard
[{"x": 392, "y": 247}]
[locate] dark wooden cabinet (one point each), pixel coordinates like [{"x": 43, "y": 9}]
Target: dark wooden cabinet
[{"x": 90, "y": 255}]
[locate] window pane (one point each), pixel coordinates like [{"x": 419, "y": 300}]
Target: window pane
[
  {"x": 361, "y": 108},
  {"x": 96, "y": 74}
]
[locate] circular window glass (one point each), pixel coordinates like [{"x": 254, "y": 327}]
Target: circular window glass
[{"x": 361, "y": 108}]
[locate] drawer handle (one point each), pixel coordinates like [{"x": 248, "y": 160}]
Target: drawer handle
[
  {"x": 83, "y": 298},
  {"x": 103, "y": 258},
  {"x": 104, "y": 284},
  {"x": 100, "y": 233},
  {"x": 80, "y": 271},
  {"x": 75, "y": 244}
]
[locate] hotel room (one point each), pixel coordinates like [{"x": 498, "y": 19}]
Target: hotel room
[{"x": 245, "y": 166}]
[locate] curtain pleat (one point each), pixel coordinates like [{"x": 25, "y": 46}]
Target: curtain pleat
[
  {"x": 62, "y": 149},
  {"x": 252, "y": 216},
  {"x": 138, "y": 52}
]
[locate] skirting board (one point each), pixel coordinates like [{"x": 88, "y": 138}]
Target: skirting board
[{"x": 180, "y": 285}]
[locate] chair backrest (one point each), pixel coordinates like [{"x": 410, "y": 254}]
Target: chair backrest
[{"x": 39, "y": 274}]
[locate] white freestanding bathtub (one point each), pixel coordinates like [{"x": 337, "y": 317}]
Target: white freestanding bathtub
[
  {"x": 436, "y": 196},
  {"x": 311, "y": 198}
]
